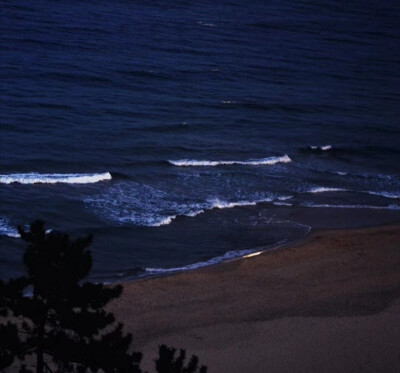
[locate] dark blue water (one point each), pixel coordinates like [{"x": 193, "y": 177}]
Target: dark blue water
[{"x": 187, "y": 132}]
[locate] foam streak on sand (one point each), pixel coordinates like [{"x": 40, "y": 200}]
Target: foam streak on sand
[
  {"x": 341, "y": 305},
  {"x": 372, "y": 207},
  {"x": 219, "y": 259},
  {"x": 251, "y": 162},
  {"x": 36, "y": 178}
]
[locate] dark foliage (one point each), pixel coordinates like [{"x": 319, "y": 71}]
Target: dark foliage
[
  {"x": 167, "y": 363},
  {"x": 63, "y": 323},
  {"x": 66, "y": 325},
  {"x": 10, "y": 343}
]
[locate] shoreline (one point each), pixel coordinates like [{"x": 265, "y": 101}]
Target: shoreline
[
  {"x": 338, "y": 219},
  {"x": 331, "y": 277}
]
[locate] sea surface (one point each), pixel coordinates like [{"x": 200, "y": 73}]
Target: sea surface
[{"x": 183, "y": 133}]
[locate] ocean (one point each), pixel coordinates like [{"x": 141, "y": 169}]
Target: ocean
[{"x": 182, "y": 134}]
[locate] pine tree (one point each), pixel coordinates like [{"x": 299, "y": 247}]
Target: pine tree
[
  {"x": 167, "y": 363},
  {"x": 61, "y": 318},
  {"x": 67, "y": 327},
  {"x": 11, "y": 345}
]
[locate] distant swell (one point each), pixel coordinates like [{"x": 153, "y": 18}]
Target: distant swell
[
  {"x": 250, "y": 162},
  {"x": 385, "y": 194},
  {"x": 36, "y": 178},
  {"x": 392, "y": 195},
  {"x": 364, "y": 175}
]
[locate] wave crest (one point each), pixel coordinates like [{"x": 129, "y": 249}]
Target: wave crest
[
  {"x": 251, "y": 162},
  {"x": 7, "y": 229},
  {"x": 218, "y": 204},
  {"x": 211, "y": 205},
  {"x": 321, "y": 148},
  {"x": 36, "y": 178},
  {"x": 326, "y": 189},
  {"x": 392, "y": 195}
]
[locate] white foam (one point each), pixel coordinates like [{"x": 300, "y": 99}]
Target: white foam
[
  {"x": 251, "y": 162},
  {"x": 218, "y": 204},
  {"x": 210, "y": 205},
  {"x": 6, "y": 229},
  {"x": 223, "y": 258},
  {"x": 206, "y": 24},
  {"x": 326, "y": 189},
  {"x": 36, "y": 178},
  {"x": 341, "y": 173},
  {"x": 195, "y": 213},
  {"x": 284, "y": 198},
  {"x": 392, "y": 195},
  {"x": 385, "y": 194},
  {"x": 323, "y": 147},
  {"x": 163, "y": 221},
  {"x": 390, "y": 207},
  {"x": 149, "y": 221},
  {"x": 282, "y": 204},
  {"x": 142, "y": 205}
]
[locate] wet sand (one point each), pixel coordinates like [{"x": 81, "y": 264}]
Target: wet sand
[{"x": 328, "y": 304}]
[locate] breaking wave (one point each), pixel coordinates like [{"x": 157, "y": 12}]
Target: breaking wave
[
  {"x": 6, "y": 228},
  {"x": 218, "y": 204},
  {"x": 201, "y": 208},
  {"x": 251, "y": 162},
  {"x": 321, "y": 148},
  {"x": 143, "y": 205},
  {"x": 36, "y": 178},
  {"x": 326, "y": 189}
]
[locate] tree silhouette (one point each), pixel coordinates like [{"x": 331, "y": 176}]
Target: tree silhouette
[
  {"x": 167, "y": 363},
  {"x": 67, "y": 328},
  {"x": 9, "y": 338},
  {"x": 52, "y": 314}
]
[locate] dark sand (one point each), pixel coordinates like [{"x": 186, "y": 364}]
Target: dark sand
[{"x": 329, "y": 304}]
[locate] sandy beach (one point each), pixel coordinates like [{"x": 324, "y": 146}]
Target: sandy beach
[{"x": 328, "y": 304}]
